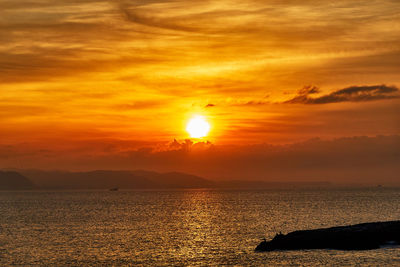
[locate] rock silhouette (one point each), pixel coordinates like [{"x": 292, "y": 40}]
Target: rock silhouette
[
  {"x": 353, "y": 237},
  {"x": 10, "y": 180}
]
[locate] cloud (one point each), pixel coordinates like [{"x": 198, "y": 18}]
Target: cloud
[
  {"x": 140, "y": 105},
  {"x": 103, "y": 68},
  {"x": 353, "y": 94},
  {"x": 151, "y": 21},
  {"x": 307, "y": 90}
]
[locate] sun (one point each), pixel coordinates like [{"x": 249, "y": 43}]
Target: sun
[{"x": 198, "y": 127}]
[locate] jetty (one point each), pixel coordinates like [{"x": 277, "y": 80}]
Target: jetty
[{"x": 352, "y": 237}]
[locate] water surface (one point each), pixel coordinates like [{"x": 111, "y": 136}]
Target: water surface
[{"x": 186, "y": 227}]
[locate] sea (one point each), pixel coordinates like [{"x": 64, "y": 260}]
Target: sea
[{"x": 202, "y": 227}]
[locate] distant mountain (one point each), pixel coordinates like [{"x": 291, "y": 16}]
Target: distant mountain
[
  {"x": 138, "y": 179},
  {"x": 105, "y": 179},
  {"x": 11, "y": 180}
]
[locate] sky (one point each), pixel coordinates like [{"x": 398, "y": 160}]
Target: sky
[{"x": 86, "y": 84}]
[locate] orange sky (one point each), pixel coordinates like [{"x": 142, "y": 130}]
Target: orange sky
[{"x": 99, "y": 76}]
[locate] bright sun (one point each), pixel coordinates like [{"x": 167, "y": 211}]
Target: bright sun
[{"x": 198, "y": 127}]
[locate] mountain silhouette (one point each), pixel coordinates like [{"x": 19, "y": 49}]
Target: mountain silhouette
[
  {"x": 105, "y": 179},
  {"x": 137, "y": 179},
  {"x": 11, "y": 180}
]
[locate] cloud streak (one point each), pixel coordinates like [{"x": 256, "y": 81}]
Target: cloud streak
[
  {"x": 107, "y": 68},
  {"x": 349, "y": 94}
]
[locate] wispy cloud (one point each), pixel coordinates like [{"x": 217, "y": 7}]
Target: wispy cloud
[
  {"x": 353, "y": 94},
  {"x": 109, "y": 66}
]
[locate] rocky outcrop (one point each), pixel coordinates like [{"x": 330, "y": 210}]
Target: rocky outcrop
[{"x": 353, "y": 237}]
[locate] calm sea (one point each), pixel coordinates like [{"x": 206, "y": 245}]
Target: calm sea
[{"x": 187, "y": 227}]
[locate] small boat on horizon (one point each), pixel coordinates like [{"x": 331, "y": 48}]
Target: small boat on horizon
[{"x": 114, "y": 189}]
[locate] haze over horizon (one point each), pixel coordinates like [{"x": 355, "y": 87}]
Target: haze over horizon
[{"x": 362, "y": 160}]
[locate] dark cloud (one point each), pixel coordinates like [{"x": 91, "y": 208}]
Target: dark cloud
[
  {"x": 307, "y": 90},
  {"x": 353, "y": 94},
  {"x": 151, "y": 21}
]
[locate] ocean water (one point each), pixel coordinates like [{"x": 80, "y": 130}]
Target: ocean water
[{"x": 185, "y": 227}]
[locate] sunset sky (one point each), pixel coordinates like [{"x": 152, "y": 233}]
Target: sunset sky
[{"x": 88, "y": 83}]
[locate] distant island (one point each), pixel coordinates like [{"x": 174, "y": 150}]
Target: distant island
[
  {"x": 137, "y": 179},
  {"x": 353, "y": 237},
  {"x": 11, "y": 180},
  {"x": 106, "y": 179}
]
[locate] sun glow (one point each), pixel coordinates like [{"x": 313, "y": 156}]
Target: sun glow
[{"x": 198, "y": 127}]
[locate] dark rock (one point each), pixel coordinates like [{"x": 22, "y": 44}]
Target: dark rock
[{"x": 353, "y": 237}]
